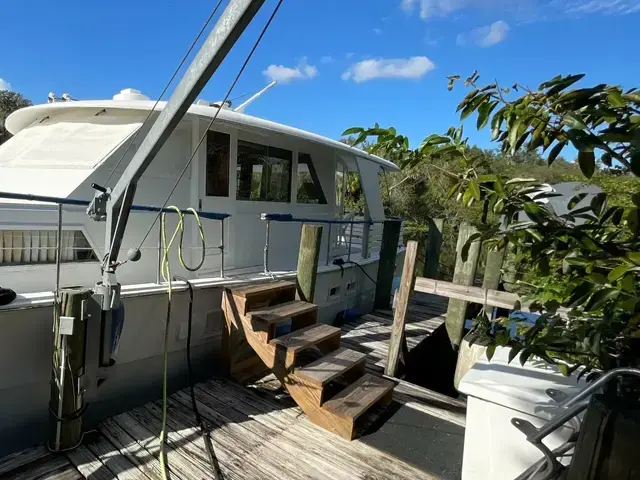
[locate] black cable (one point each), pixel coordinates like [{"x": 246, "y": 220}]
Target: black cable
[
  {"x": 208, "y": 443},
  {"x": 340, "y": 262}
]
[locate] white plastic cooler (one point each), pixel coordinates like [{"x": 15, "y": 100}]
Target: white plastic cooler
[{"x": 497, "y": 392}]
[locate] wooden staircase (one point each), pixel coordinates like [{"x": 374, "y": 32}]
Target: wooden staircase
[{"x": 327, "y": 381}]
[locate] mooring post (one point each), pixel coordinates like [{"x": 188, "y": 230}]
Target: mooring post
[
  {"x": 401, "y": 307},
  {"x": 463, "y": 275},
  {"x": 387, "y": 263},
  {"x": 67, "y": 393},
  {"x": 308, "y": 256},
  {"x": 434, "y": 244},
  {"x": 493, "y": 273}
]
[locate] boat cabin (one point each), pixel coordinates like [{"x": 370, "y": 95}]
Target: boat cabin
[{"x": 245, "y": 167}]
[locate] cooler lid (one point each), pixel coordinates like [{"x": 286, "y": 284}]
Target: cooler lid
[{"x": 516, "y": 387}]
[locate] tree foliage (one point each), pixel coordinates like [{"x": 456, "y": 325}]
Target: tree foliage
[
  {"x": 587, "y": 260},
  {"x": 9, "y": 103}
]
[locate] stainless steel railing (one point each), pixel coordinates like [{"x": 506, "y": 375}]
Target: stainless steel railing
[{"x": 344, "y": 237}]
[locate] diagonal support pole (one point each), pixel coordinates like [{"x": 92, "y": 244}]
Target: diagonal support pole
[{"x": 224, "y": 35}]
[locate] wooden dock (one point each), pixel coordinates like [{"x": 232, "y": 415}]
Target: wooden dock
[{"x": 258, "y": 433}]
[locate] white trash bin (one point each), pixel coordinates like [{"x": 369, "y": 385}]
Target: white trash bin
[{"x": 497, "y": 392}]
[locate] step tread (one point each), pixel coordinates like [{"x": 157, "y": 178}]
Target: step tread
[
  {"x": 276, "y": 313},
  {"x": 358, "y": 397},
  {"x": 255, "y": 289},
  {"x": 306, "y": 336},
  {"x": 325, "y": 369}
]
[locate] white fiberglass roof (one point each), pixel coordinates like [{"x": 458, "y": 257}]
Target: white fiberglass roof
[{"x": 26, "y": 117}]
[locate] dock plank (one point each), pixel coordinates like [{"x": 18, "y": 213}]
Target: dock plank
[
  {"x": 89, "y": 465},
  {"x": 22, "y": 457}
]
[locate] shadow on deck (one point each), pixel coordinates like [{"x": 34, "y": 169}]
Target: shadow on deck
[{"x": 259, "y": 433}]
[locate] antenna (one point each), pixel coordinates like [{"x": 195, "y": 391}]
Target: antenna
[{"x": 240, "y": 108}]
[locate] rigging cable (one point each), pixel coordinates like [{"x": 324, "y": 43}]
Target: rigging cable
[
  {"x": 166, "y": 87},
  {"x": 213, "y": 119}
]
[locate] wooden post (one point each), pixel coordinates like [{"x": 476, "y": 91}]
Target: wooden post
[
  {"x": 492, "y": 273},
  {"x": 434, "y": 243},
  {"x": 70, "y": 428},
  {"x": 400, "y": 313},
  {"x": 387, "y": 263},
  {"x": 463, "y": 275},
  {"x": 308, "y": 256}
]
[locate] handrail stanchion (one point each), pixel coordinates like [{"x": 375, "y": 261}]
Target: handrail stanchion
[
  {"x": 366, "y": 229},
  {"x": 159, "y": 266},
  {"x": 328, "y": 246},
  {"x": 350, "y": 242},
  {"x": 266, "y": 244},
  {"x": 56, "y": 317},
  {"x": 58, "y": 251},
  {"x": 222, "y": 248}
]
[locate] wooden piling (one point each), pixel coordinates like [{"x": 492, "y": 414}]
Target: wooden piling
[
  {"x": 387, "y": 263},
  {"x": 70, "y": 305},
  {"x": 493, "y": 273},
  {"x": 308, "y": 256},
  {"x": 434, "y": 244},
  {"x": 400, "y": 312},
  {"x": 463, "y": 275}
]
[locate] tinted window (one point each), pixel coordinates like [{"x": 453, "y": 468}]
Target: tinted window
[
  {"x": 264, "y": 173},
  {"x": 217, "y": 164},
  {"x": 309, "y": 189}
]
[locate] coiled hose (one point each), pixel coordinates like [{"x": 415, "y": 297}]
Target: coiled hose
[{"x": 165, "y": 268}]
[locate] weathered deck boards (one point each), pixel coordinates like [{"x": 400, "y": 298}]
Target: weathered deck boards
[
  {"x": 257, "y": 433},
  {"x": 370, "y": 333}
]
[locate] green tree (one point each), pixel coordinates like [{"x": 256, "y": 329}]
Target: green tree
[
  {"x": 586, "y": 261},
  {"x": 9, "y": 103}
]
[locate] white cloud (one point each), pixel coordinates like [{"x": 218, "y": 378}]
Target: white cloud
[
  {"x": 284, "y": 74},
  {"x": 612, "y": 7},
  {"x": 523, "y": 10},
  {"x": 429, "y": 8},
  {"x": 412, "y": 68},
  {"x": 4, "y": 85},
  {"x": 377, "y": 31},
  {"x": 327, "y": 59},
  {"x": 349, "y": 55},
  {"x": 486, "y": 36}
]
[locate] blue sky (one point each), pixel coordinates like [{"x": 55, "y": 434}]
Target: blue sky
[{"x": 340, "y": 63}]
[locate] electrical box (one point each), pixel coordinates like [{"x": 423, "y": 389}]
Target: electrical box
[{"x": 66, "y": 325}]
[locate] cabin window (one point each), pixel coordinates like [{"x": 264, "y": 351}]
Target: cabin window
[
  {"x": 264, "y": 173},
  {"x": 31, "y": 247},
  {"x": 309, "y": 189},
  {"x": 217, "y": 173}
]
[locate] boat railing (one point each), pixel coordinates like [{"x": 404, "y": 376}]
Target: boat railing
[
  {"x": 61, "y": 202},
  {"x": 342, "y": 237}
]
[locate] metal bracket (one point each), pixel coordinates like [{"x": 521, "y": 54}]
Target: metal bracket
[
  {"x": 97, "y": 209},
  {"x": 556, "y": 395}
]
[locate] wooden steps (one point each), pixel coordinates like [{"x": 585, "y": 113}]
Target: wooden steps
[
  {"x": 283, "y": 311},
  {"x": 331, "y": 366},
  {"x": 317, "y": 385},
  {"x": 354, "y": 400},
  {"x": 350, "y": 404},
  {"x": 260, "y": 288},
  {"x": 325, "y": 337}
]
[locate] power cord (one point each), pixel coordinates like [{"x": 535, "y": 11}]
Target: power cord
[
  {"x": 208, "y": 443},
  {"x": 341, "y": 262},
  {"x": 165, "y": 268}
]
